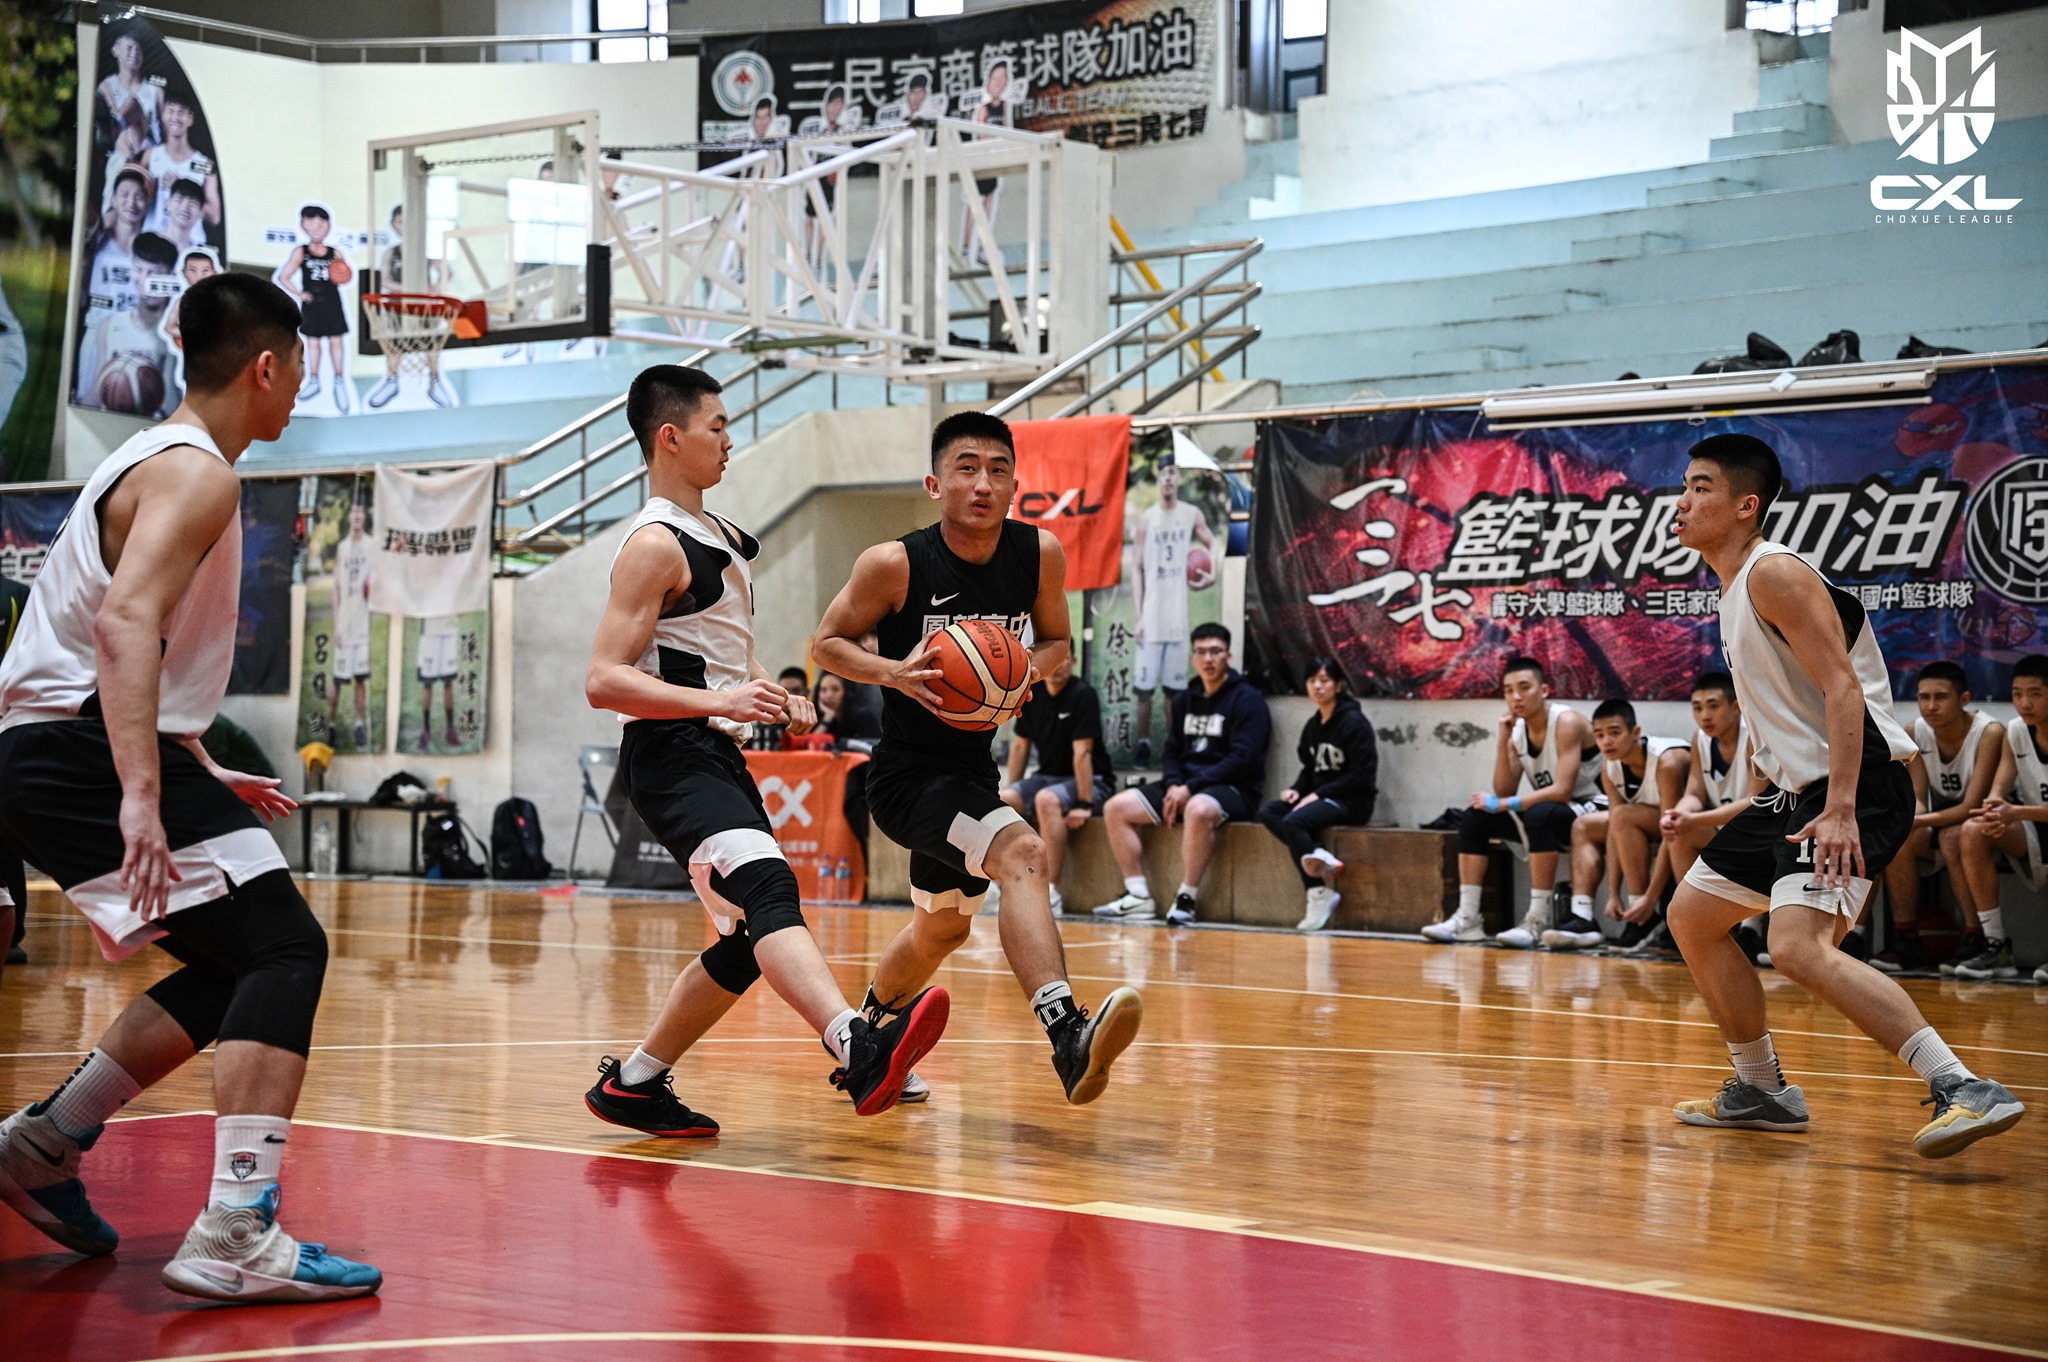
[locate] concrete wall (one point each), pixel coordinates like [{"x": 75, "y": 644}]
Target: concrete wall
[
  {"x": 1467, "y": 96},
  {"x": 1856, "y": 68}
]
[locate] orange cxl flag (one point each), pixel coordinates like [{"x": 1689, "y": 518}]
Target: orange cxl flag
[{"x": 1070, "y": 480}]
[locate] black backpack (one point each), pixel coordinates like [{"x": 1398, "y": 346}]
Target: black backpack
[
  {"x": 516, "y": 852},
  {"x": 444, "y": 847}
]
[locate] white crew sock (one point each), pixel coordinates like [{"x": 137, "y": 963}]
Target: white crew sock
[
  {"x": 248, "y": 1153},
  {"x": 1191, "y": 891},
  {"x": 1053, "y": 1003},
  {"x": 1468, "y": 899},
  {"x": 1582, "y": 906},
  {"x": 640, "y": 1067},
  {"x": 97, "y": 1089},
  {"x": 1053, "y": 893},
  {"x": 1930, "y": 1056},
  {"x": 1992, "y": 924},
  {"x": 1136, "y": 887},
  {"x": 1540, "y": 903},
  {"x": 839, "y": 1033},
  {"x": 1756, "y": 1063}
]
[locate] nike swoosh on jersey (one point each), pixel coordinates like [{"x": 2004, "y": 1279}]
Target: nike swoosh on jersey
[{"x": 941, "y": 600}]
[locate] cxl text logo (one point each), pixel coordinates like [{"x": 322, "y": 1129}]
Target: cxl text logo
[
  {"x": 1943, "y": 104},
  {"x": 1053, "y": 505}
]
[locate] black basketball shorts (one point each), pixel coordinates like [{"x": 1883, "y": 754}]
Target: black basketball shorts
[
  {"x": 1750, "y": 862},
  {"x": 946, "y": 816},
  {"x": 690, "y": 784},
  {"x": 60, "y": 809},
  {"x": 1238, "y": 805}
]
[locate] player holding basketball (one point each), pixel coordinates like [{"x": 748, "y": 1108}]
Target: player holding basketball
[
  {"x": 1159, "y": 597},
  {"x": 674, "y": 656},
  {"x": 1814, "y": 688},
  {"x": 315, "y": 273},
  {"x": 119, "y": 666},
  {"x": 932, "y": 787}
]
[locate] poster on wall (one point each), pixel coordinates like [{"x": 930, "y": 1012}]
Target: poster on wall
[
  {"x": 153, "y": 200},
  {"x": 263, "y": 637},
  {"x": 444, "y": 683},
  {"x": 28, "y": 522},
  {"x": 35, "y": 233},
  {"x": 344, "y": 677},
  {"x": 1136, "y": 644},
  {"x": 1422, "y": 550},
  {"x": 1118, "y": 73},
  {"x": 316, "y": 272}
]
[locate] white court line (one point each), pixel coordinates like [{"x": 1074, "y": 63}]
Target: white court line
[{"x": 908, "y": 1345}]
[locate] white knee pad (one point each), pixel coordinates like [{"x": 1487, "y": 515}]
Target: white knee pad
[
  {"x": 721, "y": 854},
  {"x": 973, "y": 835},
  {"x": 963, "y": 904}
]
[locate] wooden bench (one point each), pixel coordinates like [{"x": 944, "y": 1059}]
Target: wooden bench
[{"x": 1394, "y": 880}]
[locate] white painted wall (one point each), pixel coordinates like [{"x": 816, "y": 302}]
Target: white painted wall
[
  {"x": 1856, "y": 67},
  {"x": 1465, "y": 96}
]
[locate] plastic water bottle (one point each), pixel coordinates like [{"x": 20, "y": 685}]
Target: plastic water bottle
[
  {"x": 842, "y": 882},
  {"x": 824, "y": 880},
  {"x": 323, "y": 846}
]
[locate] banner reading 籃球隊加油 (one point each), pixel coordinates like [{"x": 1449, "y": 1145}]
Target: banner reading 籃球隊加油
[
  {"x": 1118, "y": 73},
  {"x": 1422, "y": 550}
]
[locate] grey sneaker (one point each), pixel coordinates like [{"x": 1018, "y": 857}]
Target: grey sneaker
[
  {"x": 1744, "y": 1106},
  {"x": 1182, "y": 914},
  {"x": 1454, "y": 929},
  {"x": 1129, "y": 908},
  {"x": 1993, "y": 962},
  {"x": 1525, "y": 934},
  {"x": 1965, "y": 1111},
  {"x": 39, "y": 1179}
]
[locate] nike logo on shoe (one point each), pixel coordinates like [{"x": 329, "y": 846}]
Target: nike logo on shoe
[
  {"x": 273, "y": 1139},
  {"x": 54, "y": 1160},
  {"x": 232, "y": 1285},
  {"x": 612, "y": 1089},
  {"x": 941, "y": 600}
]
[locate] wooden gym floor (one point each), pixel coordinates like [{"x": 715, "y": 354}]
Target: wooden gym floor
[{"x": 1319, "y": 1148}]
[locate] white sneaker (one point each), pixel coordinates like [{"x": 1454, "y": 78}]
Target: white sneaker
[
  {"x": 440, "y": 393},
  {"x": 1321, "y": 864},
  {"x": 1455, "y": 928},
  {"x": 1570, "y": 938},
  {"x": 1059, "y": 905},
  {"x": 1322, "y": 901},
  {"x": 1182, "y": 914},
  {"x": 915, "y": 1089},
  {"x": 239, "y": 1254},
  {"x": 993, "y": 900},
  {"x": 384, "y": 392},
  {"x": 1524, "y": 935},
  {"x": 1130, "y": 908},
  {"x": 2041, "y": 975}
]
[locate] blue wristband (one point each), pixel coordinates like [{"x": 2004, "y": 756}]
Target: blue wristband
[
  {"x": 1493, "y": 803},
  {"x": 1514, "y": 803}
]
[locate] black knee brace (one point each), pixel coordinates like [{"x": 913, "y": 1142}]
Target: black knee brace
[
  {"x": 266, "y": 940},
  {"x": 766, "y": 892},
  {"x": 730, "y": 961},
  {"x": 1477, "y": 829}
]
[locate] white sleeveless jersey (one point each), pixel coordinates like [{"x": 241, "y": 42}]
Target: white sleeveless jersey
[
  {"x": 1948, "y": 781},
  {"x": 353, "y": 561},
  {"x": 2030, "y": 786},
  {"x": 1540, "y": 769},
  {"x": 1646, "y": 789},
  {"x": 1780, "y": 701},
  {"x": 1731, "y": 784},
  {"x": 706, "y": 640},
  {"x": 1168, "y": 536},
  {"x": 53, "y": 667}
]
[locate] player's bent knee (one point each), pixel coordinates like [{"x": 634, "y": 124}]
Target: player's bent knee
[
  {"x": 729, "y": 962},
  {"x": 765, "y": 891},
  {"x": 973, "y": 837},
  {"x": 279, "y": 968}
]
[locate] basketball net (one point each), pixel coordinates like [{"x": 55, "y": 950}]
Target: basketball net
[{"x": 411, "y": 328}]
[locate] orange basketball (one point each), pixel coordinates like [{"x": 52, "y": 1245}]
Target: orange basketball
[
  {"x": 130, "y": 383},
  {"x": 339, "y": 272},
  {"x": 986, "y": 674}
]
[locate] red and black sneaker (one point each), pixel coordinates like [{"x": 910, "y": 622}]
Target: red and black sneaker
[
  {"x": 879, "y": 1057},
  {"x": 651, "y": 1108}
]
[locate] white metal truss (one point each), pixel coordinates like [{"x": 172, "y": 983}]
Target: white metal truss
[{"x": 857, "y": 253}]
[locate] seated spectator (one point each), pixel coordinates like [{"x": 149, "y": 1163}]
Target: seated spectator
[
  {"x": 1551, "y": 746},
  {"x": 851, "y": 725},
  {"x": 1952, "y": 776},
  {"x": 1062, "y": 721},
  {"x": 769, "y": 737},
  {"x": 1720, "y": 785},
  {"x": 1339, "y": 783},
  {"x": 795, "y": 680},
  {"x": 1217, "y": 732},
  {"x": 1642, "y": 778},
  {"x": 2008, "y": 826}
]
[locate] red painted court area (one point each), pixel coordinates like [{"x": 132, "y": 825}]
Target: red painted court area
[{"x": 498, "y": 1252}]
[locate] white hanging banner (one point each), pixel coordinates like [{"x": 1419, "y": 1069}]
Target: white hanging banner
[{"x": 433, "y": 542}]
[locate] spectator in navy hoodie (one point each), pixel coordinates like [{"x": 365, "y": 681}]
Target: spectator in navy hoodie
[
  {"x": 1215, "y": 763},
  {"x": 1339, "y": 783}
]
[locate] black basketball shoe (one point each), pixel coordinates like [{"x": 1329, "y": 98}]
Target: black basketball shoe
[
  {"x": 1083, "y": 1047},
  {"x": 879, "y": 1055},
  {"x": 651, "y": 1108}
]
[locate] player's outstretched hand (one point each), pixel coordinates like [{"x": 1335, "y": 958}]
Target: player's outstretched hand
[
  {"x": 801, "y": 714},
  {"x": 1837, "y": 848},
  {"x": 260, "y": 793},
  {"x": 757, "y": 702},
  {"x": 912, "y": 673},
  {"x": 146, "y": 870}
]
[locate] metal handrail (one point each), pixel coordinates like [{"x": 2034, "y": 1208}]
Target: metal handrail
[
  {"x": 1081, "y": 358},
  {"x": 1191, "y": 334}
]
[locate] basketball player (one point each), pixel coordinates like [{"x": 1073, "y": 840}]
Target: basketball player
[
  {"x": 349, "y": 637},
  {"x": 176, "y": 161},
  {"x": 1959, "y": 749},
  {"x": 127, "y": 89},
  {"x": 1159, "y": 597},
  {"x": 120, "y": 665},
  {"x": 1641, "y": 778},
  {"x": 2008, "y": 824},
  {"x": 119, "y": 346},
  {"x": 931, "y": 787},
  {"x": 1717, "y": 788},
  {"x": 674, "y": 656},
  {"x": 13, "y": 874},
  {"x": 439, "y": 660},
  {"x": 1838, "y": 808},
  {"x": 1551, "y": 746},
  {"x": 314, "y": 273}
]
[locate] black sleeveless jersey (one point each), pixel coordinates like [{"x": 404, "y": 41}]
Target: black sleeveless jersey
[{"x": 946, "y": 589}]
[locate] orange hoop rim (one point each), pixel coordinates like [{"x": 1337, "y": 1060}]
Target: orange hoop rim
[{"x": 414, "y": 304}]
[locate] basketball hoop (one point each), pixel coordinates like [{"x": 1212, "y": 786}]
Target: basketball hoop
[{"x": 412, "y": 328}]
